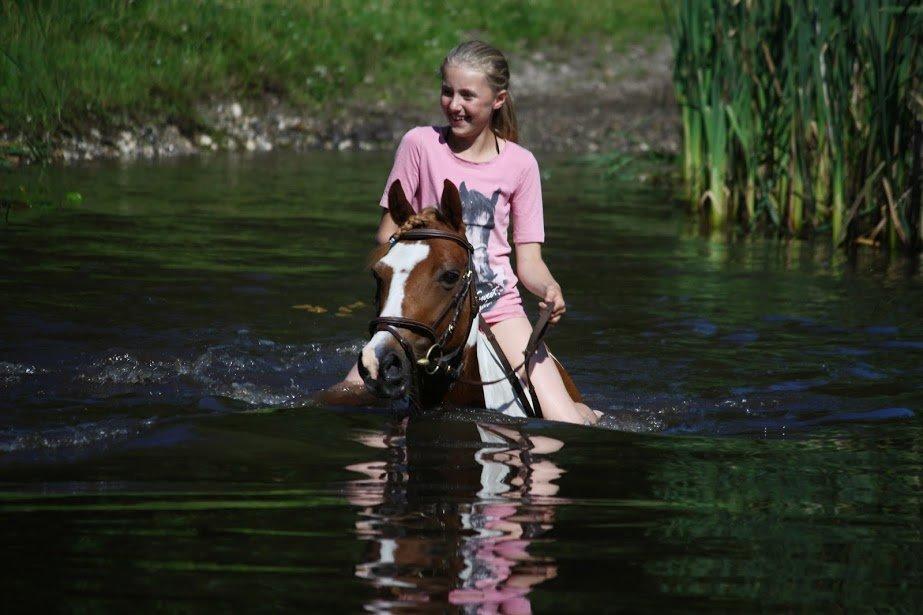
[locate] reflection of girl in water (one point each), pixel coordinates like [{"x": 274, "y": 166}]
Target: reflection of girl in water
[
  {"x": 499, "y": 570},
  {"x": 473, "y": 552}
]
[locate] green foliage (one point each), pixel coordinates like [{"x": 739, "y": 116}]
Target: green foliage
[
  {"x": 793, "y": 109},
  {"x": 65, "y": 65}
]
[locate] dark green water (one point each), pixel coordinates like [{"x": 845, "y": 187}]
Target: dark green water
[{"x": 156, "y": 451}]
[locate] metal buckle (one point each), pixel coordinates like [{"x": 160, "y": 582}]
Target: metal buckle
[{"x": 429, "y": 363}]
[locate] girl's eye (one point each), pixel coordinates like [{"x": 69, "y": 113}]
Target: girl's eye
[{"x": 449, "y": 278}]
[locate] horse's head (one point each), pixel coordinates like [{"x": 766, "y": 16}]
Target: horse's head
[{"x": 425, "y": 294}]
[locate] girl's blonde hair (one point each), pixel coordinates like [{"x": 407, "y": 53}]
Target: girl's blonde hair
[{"x": 489, "y": 60}]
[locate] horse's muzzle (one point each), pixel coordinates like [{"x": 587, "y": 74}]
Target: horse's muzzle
[{"x": 393, "y": 376}]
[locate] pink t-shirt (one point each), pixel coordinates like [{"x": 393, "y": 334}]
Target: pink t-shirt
[{"x": 507, "y": 188}]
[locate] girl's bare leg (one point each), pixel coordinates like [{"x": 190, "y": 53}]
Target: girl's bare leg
[
  {"x": 353, "y": 377},
  {"x": 513, "y": 335},
  {"x": 350, "y": 392}
]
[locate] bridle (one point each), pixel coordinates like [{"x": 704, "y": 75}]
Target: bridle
[{"x": 436, "y": 359}]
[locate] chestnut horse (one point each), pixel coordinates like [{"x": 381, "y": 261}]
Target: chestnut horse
[{"x": 425, "y": 337}]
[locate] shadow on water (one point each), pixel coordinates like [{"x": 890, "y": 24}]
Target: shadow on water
[{"x": 155, "y": 446}]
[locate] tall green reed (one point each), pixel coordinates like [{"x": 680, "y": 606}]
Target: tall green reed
[{"x": 812, "y": 106}]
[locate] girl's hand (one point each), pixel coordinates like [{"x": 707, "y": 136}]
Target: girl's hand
[{"x": 555, "y": 298}]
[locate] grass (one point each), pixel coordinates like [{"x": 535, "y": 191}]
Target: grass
[{"x": 66, "y": 66}]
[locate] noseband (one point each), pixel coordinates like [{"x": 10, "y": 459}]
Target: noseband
[{"x": 436, "y": 359}]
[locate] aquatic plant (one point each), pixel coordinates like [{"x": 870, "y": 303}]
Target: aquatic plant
[{"x": 802, "y": 115}]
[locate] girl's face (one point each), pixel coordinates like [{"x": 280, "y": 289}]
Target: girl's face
[{"x": 468, "y": 100}]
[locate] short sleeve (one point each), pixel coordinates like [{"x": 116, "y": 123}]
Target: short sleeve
[
  {"x": 406, "y": 168},
  {"x": 526, "y": 206}
]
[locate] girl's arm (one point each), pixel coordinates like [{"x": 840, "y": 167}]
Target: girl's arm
[
  {"x": 534, "y": 275},
  {"x": 386, "y": 228}
]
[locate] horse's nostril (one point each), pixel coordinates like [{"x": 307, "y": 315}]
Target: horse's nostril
[{"x": 392, "y": 369}]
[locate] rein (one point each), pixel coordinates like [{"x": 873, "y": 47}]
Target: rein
[{"x": 435, "y": 358}]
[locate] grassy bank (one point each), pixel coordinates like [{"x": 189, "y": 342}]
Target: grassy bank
[
  {"x": 803, "y": 115},
  {"x": 66, "y": 66}
]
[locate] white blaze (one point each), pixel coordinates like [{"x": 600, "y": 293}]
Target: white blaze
[{"x": 402, "y": 258}]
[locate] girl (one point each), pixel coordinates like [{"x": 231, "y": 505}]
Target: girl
[{"x": 499, "y": 183}]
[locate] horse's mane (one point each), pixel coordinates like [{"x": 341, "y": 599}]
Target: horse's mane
[{"x": 427, "y": 218}]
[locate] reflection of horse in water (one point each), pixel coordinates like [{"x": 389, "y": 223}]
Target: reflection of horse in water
[
  {"x": 478, "y": 216},
  {"x": 450, "y": 514}
]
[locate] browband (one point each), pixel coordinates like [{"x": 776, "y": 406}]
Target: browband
[{"x": 430, "y": 233}]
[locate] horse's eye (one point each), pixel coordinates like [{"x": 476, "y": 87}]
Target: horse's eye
[{"x": 449, "y": 278}]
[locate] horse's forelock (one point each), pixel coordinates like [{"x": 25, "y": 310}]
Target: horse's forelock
[{"x": 424, "y": 219}]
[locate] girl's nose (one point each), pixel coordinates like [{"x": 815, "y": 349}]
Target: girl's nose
[{"x": 455, "y": 103}]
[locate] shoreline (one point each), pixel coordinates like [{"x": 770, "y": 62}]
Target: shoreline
[{"x": 575, "y": 100}]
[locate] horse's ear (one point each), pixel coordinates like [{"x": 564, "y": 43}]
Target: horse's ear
[
  {"x": 451, "y": 205},
  {"x": 398, "y": 205}
]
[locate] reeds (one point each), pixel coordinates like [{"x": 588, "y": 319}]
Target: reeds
[{"x": 802, "y": 115}]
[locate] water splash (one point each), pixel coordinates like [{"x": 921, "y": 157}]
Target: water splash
[
  {"x": 11, "y": 373},
  {"x": 140, "y": 388}
]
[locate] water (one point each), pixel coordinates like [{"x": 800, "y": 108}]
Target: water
[{"x": 158, "y": 448}]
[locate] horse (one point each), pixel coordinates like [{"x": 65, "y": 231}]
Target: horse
[{"x": 427, "y": 339}]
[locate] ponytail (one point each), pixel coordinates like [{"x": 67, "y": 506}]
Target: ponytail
[{"x": 503, "y": 121}]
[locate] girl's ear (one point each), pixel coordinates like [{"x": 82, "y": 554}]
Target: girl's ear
[
  {"x": 451, "y": 206},
  {"x": 398, "y": 206},
  {"x": 500, "y": 99}
]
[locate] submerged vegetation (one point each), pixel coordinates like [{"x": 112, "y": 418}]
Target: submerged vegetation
[
  {"x": 803, "y": 115},
  {"x": 68, "y": 66}
]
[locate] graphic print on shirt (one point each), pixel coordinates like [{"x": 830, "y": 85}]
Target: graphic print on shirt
[{"x": 478, "y": 216}]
